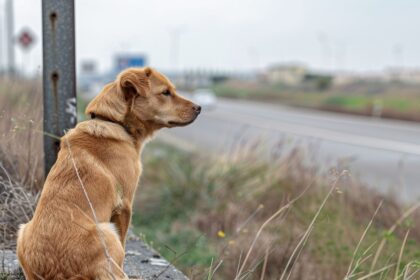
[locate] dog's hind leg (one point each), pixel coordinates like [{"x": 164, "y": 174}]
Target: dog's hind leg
[
  {"x": 111, "y": 266},
  {"x": 122, "y": 222}
]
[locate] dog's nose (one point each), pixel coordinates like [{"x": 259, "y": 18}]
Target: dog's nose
[{"x": 197, "y": 109}]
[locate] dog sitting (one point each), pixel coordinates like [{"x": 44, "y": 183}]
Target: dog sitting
[{"x": 79, "y": 227}]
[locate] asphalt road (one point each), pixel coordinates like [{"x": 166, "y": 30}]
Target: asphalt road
[{"x": 383, "y": 153}]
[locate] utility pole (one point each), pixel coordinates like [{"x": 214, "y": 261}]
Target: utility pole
[
  {"x": 10, "y": 37},
  {"x": 174, "y": 51},
  {"x": 1, "y": 41},
  {"x": 59, "y": 74}
]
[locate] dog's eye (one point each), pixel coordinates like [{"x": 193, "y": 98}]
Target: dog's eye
[{"x": 166, "y": 93}]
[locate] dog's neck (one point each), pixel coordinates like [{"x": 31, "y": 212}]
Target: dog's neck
[
  {"x": 139, "y": 133},
  {"x": 102, "y": 118}
]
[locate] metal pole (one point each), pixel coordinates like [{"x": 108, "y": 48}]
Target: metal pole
[
  {"x": 2, "y": 67},
  {"x": 10, "y": 39},
  {"x": 59, "y": 74}
]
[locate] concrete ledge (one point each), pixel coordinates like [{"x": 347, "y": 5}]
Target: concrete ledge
[{"x": 141, "y": 262}]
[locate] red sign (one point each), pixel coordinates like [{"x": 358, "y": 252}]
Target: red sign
[{"x": 26, "y": 39}]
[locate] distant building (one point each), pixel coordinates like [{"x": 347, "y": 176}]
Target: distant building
[
  {"x": 297, "y": 75},
  {"x": 409, "y": 76},
  {"x": 345, "y": 78},
  {"x": 193, "y": 79},
  {"x": 88, "y": 75},
  {"x": 289, "y": 74},
  {"x": 88, "y": 67},
  {"x": 402, "y": 75}
]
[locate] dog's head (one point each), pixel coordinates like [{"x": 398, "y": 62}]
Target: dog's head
[{"x": 143, "y": 97}]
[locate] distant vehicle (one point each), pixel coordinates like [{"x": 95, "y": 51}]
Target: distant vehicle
[{"x": 205, "y": 98}]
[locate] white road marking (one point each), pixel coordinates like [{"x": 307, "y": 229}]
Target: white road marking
[{"x": 323, "y": 134}]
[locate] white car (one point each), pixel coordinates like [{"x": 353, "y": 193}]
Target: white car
[{"x": 205, "y": 98}]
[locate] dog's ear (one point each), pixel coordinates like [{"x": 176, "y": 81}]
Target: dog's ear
[
  {"x": 110, "y": 103},
  {"x": 135, "y": 81}
]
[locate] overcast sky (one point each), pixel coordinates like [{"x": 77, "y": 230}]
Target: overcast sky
[{"x": 360, "y": 35}]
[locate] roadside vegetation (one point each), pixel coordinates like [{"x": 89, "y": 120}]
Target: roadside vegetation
[
  {"x": 21, "y": 158},
  {"x": 242, "y": 216},
  {"x": 205, "y": 215},
  {"x": 380, "y": 99},
  {"x": 21, "y": 129}
]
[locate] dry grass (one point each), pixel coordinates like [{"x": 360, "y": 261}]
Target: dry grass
[
  {"x": 21, "y": 169},
  {"x": 17, "y": 206},
  {"x": 233, "y": 206},
  {"x": 21, "y": 130}
]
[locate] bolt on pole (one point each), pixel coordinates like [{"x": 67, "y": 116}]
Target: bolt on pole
[{"x": 59, "y": 74}]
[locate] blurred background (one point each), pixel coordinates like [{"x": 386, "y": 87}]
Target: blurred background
[{"x": 295, "y": 93}]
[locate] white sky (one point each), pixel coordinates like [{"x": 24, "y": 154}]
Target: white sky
[{"x": 360, "y": 35}]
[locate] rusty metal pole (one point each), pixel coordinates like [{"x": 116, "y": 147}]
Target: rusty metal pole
[{"x": 59, "y": 74}]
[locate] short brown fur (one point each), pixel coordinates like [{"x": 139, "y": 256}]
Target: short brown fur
[{"x": 62, "y": 240}]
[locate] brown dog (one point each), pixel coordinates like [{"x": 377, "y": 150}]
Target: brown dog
[{"x": 98, "y": 167}]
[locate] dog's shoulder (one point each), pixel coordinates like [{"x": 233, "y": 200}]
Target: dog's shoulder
[{"x": 101, "y": 129}]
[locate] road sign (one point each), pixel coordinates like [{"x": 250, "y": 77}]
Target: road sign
[
  {"x": 26, "y": 39},
  {"x": 126, "y": 61}
]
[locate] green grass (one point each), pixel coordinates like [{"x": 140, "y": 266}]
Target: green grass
[
  {"x": 177, "y": 199},
  {"x": 186, "y": 200},
  {"x": 233, "y": 92},
  {"x": 396, "y": 101},
  {"x": 401, "y": 104},
  {"x": 348, "y": 102}
]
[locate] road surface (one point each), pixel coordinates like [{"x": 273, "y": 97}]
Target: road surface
[{"x": 383, "y": 153}]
